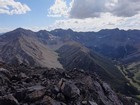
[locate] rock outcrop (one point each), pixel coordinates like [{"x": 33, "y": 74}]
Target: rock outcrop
[{"x": 43, "y": 86}]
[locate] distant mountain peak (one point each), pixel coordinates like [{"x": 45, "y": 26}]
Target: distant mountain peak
[
  {"x": 59, "y": 29},
  {"x": 69, "y": 30},
  {"x": 21, "y": 30},
  {"x": 42, "y": 31},
  {"x": 115, "y": 29},
  {"x": 18, "y": 33}
]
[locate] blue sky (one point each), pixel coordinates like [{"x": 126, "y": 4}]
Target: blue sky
[
  {"x": 37, "y": 17},
  {"x": 79, "y": 15}
]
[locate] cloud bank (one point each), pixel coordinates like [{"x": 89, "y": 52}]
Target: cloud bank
[
  {"x": 95, "y": 8},
  {"x": 105, "y": 21},
  {"x": 93, "y": 15},
  {"x": 12, "y": 7}
]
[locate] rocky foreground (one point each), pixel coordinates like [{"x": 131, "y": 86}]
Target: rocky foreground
[{"x": 23, "y": 85}]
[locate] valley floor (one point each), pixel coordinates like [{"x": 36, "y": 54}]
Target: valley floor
[{"x": 130, "y": 77}]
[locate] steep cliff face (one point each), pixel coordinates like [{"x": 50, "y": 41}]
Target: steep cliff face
[{"x": 42, "y": 86}]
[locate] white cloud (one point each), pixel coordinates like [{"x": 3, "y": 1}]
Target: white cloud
[
  {"x": 126, "y": 8},
  {"x": 59, "y": 9},
  {"x": 3, "y": 30},
  {"x": 11, "y": 7},
  {"x": 87, "y": 8},
  {"x": 94, "y": 8},
  {"x": 93, "y": 15},
  {"x": 88, "y": 24},
  {"x": 130, "y": 22},
  {"x": 105, "y": 21}
]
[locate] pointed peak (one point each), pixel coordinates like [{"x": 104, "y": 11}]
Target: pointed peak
[
  {"x": 19, "y": 29},
  {"x": 43, "y": 30},
  {"x": 23, "y": 31},
  {"x": 69, "y": 30},
  {"x": 19, "y": 32}
]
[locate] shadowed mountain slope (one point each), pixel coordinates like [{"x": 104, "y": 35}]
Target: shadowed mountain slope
[{"x": 74, "y": 55}]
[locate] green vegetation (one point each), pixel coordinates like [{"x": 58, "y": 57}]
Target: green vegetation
[{"x": 132, "y": 74}]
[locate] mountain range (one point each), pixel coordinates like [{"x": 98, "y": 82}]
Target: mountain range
[
  {"x": 120, "y": 46},
  {"x": 97, "y": 52}
]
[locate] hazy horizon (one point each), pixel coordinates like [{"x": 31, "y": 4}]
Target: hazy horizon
[{"x": 85, "y": 15}]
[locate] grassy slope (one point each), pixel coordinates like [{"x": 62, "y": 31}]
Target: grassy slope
[
  {"x": 110, "y": 69},
  {"x": 132, "y": 80}
]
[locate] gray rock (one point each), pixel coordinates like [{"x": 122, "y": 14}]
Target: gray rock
[
  {"x": 49, "y": 101},
  {"x": 69, "y": 89},
  {"x": 55, "y": 90},
  {"x": 106, "y": 95},
  {"x": 34, "y": 88},
  {"x": 15, "y": 78},
  {"x": 5, "y": 73},
  {"x": 20, "y": 94},
  {"x": 84, "y": 102},
  {"x": 23, "y": 75},
  {"x": 91, "y": 103},
  {"x": 60, "y": 97},
  {"x": 78, "y": 88},
  {"x": 8, "y": 100},
  {"x": 111, "y": 94},
  {"x": 35, "y": 95},
  {"x": 4, "y": 76}
]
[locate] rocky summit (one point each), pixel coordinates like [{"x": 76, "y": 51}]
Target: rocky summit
[{"x": 23, "y": 85}]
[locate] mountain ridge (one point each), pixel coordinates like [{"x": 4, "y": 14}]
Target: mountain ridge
[
  {"x": 26, "y": 44},
  {"x": 55, "y": 49},
  {"x": 74, "y": 55}
]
